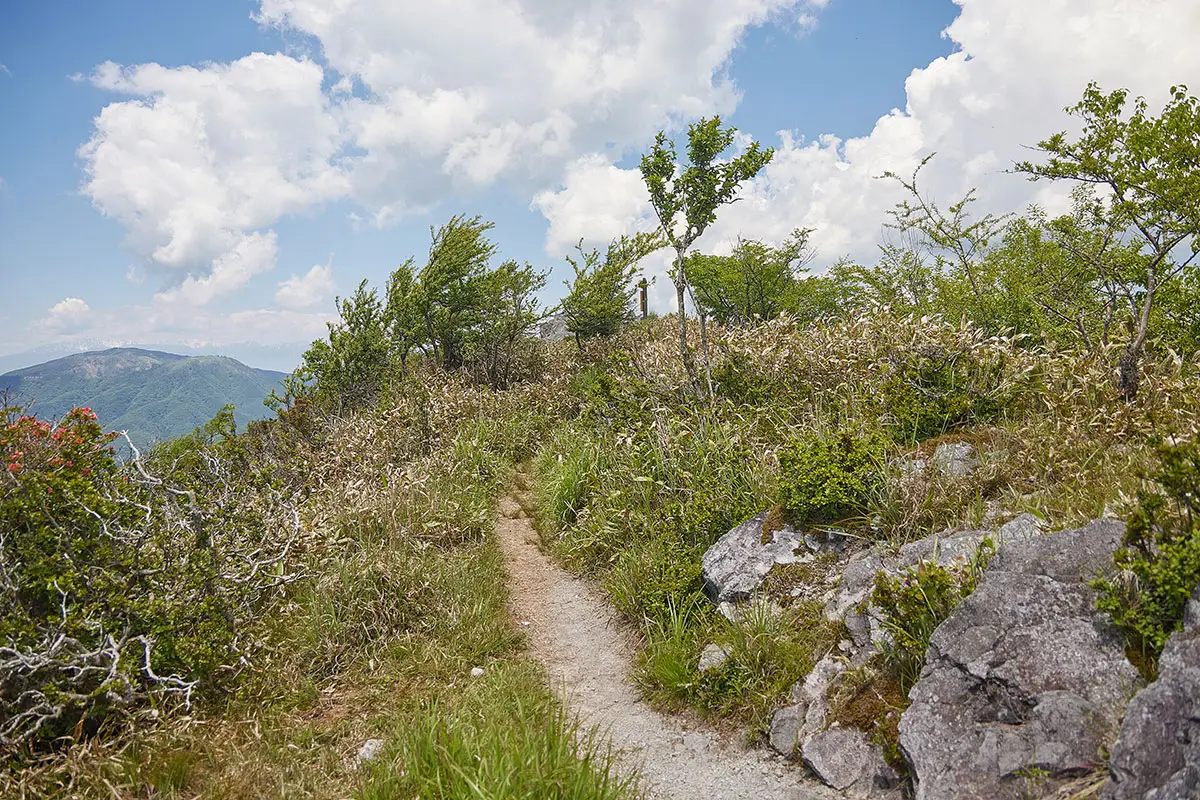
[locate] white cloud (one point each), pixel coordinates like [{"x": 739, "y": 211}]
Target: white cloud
[
  {"x": 72, "y": 320},
  {"x": 67, "y": 316},
  {"x": 597, "y": 204},
  {"x": 461, "y": 94},
  {"x": 1019, "y": 64},
  {"x": 426, "y": 100},
  {"x": 247, "y": 256},
  {"x": 306, "y": 291},
  {"x": 205, "y": 158}
]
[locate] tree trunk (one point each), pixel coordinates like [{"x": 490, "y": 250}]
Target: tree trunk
[
  {"x": 685, "y": 352},
  {"x": 704, "y": 352},
  {"x": 1130, "y": 363}
]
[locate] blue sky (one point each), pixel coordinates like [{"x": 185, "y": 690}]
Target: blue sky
[{"x": 215, "y": 177}]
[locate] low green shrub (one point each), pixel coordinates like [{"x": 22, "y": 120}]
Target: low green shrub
[
  {"x": 934, "y": 389},
  {"x": 918, "y": 600},
  {"x": 646, "y": 583},
  {"x": 1158, "y": 567},
  {"x": 825, "y": 479}
]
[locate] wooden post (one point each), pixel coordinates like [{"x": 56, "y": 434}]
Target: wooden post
[{"x": 642, "y": 292}]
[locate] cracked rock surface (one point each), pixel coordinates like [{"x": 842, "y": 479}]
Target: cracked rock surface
[
  {"x": 1157, "y": 756},
  {"x": 1025, "y": 677}
]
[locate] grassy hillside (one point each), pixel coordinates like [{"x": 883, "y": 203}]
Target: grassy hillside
[{"x": 153, "y": 395}]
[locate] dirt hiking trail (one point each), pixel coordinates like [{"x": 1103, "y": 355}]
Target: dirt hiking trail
[{"x": 588, "y": 651}]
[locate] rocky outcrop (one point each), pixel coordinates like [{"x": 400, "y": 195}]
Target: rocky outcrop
[
  {"x": 864, "y": 622},
  {"x": 1025, "y": 677},
  {"x": 793, "y": 725},
  {"x": 739, "y": 561},
  {"x": 1157, "y": 755}
]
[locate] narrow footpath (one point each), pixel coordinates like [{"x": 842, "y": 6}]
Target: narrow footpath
[{"x": 588, "y": 651}]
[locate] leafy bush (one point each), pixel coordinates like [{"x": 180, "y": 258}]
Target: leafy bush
[
  {"x": 933, "y": 389},
  {"x": 915, "y": 602},
  {"x": 1159, "y": 564},
  {"x": 118, "y": 589},
  {"x": 646, "y": 582},
  {"x": 824, "y": 479}
]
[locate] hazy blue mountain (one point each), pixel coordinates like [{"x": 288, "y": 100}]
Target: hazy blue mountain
[
  {"x": 151, "y": 394},
  {"x": 285, "y": 357}
]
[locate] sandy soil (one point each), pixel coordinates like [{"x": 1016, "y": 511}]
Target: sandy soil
[{"x": 588, "y": 652}]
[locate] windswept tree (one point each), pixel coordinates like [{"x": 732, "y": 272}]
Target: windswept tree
[
  {"x": 404, "y": 313},
  {"x": 351, "y": 365},
  {"x": 1145, "y": 173},
  {"x": 452, "y": 285},
  {"x": 686, "y": 198},
  {"x": 508, "y": 309},
  {"x": 599, "y": 298},
  {"x": 756, "y": 282}
]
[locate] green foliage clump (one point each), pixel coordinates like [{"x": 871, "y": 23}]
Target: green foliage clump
[
  {"x": 827, "y": 478},
  {"x": 934, "y": 390},
  {"x": 645, "y": 583},
  {"x": 916, "y": 602},
  {"x": 1159, "y": 564},
  {"x": 768, "y": 651},
  {"x": 598, "y": 300},
  {"x": 119, "y": 585},
  {"x": 754, "y": 283}
]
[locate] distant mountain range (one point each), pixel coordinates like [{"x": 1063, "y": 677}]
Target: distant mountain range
[
  {"x": 153, "y": 395},
  {"x": 284, "y": 357}
]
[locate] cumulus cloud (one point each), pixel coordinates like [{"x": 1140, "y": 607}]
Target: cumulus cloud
[
  {"x": 1018, "y": 64},
  {"x": 69, "y": 315},
  {"x": 411, "y": 104},
  {"x": 425, "y": 101},
  {"x": 306, "y": 291},
  {"x": 461, "y": 94},
  {"x": 203, "y": 159},
  {"x": 247, "y": 256}
]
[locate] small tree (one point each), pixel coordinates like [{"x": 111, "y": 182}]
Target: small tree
[
  {"x": 508, "y": 308},
  {"x": 955, "y": 240},
  {"x": 755, "y": 282},
  {"x": 451, "y": 285},
  {"x": 694, "y": 192},
  {"x": 351, "y": 365},
  {"x": 598, "y": 300},
  {"x": 1149, "y": 169},
  {"x": 403, "y": 316}
]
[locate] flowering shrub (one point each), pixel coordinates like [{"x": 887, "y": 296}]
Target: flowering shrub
[{"x": 116, "y": 588}]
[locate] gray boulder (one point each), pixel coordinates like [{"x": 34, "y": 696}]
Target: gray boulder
[
  {"x": 786, "y": 724},
  {"x": 738, "y": 562},
  {"x": 956, "y": 460},
  {"x": 844, "y": 759},
  {"x": 713, "y": 657},
  {"x": 1024, "y": 677},
  {"x": 1157, "y": 755}
]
